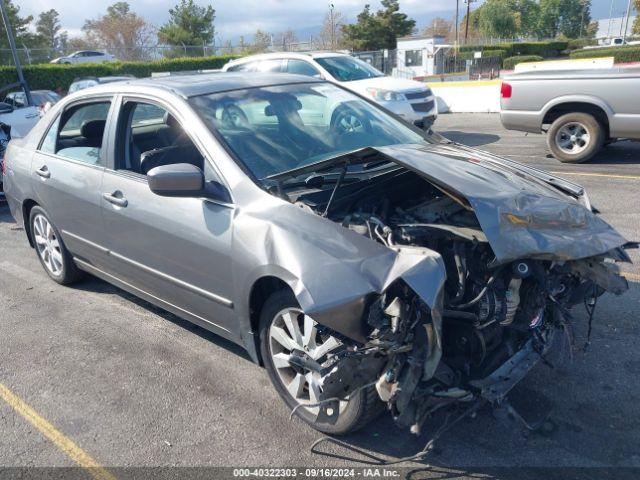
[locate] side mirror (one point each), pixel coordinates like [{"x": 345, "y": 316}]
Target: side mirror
[
  {"x": 184, "y": 180},
  {"x": 5, "y": 107}
]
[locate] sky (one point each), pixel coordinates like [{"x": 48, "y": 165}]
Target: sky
[{"x": 244, "y": 17}]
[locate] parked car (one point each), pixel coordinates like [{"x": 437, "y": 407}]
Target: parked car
[
  {"x": 21, "y": 120},
  {"x": 411, "y": 100},
  {"x": 362, "y": 267},
  {"x": 39, "y": 97},
  {"x": 581, "y": 111},
  {"x": 84, "y": 56},
  {"x": 82, "y": 83}
]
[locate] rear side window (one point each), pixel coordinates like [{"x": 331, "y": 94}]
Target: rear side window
[
  {"x": 243, "y": 67},
  {"x": 78, "y": 133}
]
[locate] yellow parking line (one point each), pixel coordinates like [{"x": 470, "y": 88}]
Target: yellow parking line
[
  {"x": 58, "y": 438},
  {"x": 631, "y": 276},
  {"x": 605, "y": 175}
]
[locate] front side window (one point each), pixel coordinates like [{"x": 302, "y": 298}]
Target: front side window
[
  {"x": 346, "y": 69},
  {"x": 149, "y": 136},
  {"x": 413, "y": 58},
  {"x": 280, "y": 128},
  {"x": 78, "y": 133},
  {"x": 300, "y": 67}
]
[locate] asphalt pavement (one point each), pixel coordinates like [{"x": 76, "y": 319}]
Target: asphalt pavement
[{"x": 128, "y": 384}]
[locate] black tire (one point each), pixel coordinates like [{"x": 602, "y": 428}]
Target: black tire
[
  {"x": 361, "y": 408},
  {"x": 584, "y": 152},
  {"x": 68, "y": 272}
]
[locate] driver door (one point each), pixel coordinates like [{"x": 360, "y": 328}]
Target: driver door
[{"x": 174, "y": 250}]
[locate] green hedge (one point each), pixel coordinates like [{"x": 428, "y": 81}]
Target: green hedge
[
  {"x": 468, "y": 55},
  {"x": 511, "y": 62},
  {"x": 620, "y": 54},
  {"x": 543, "y": 49},
  {"x": 53, "y": 77}
]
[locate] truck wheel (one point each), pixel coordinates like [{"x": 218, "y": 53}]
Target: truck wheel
[
  {"x": 286, "y": 331},
  {"x": 575, "y": 137}
]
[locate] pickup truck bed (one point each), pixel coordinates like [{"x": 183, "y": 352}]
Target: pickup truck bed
[{"x": 580, "y": 110}]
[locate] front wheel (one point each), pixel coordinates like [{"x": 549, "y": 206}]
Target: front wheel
[
  {"x": 285, "y": 331},
  {"x": 575, "y": 137}
]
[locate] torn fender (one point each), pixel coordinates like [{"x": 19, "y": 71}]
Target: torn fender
[{"x": 330, "y": 269}]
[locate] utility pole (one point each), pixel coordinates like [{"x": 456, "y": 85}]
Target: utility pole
[
  {"x": 332, "y": 29},
  {"x": 626, "y": 23},
  {"x": 610, "y": 19},
  {"x": 14, "y": 52},
  {"x": 457, "y": 27},
  {"x": 466, "y": 28}
]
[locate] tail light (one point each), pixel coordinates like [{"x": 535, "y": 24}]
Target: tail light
[{"x": 505, "y": 90}]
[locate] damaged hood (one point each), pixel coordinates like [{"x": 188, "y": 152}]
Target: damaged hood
[{"x": 524, "y": 212}]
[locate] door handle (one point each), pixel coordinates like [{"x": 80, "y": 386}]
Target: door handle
[
  {"x": 118, "y": 201},
  {"x": 44, "y": 172}
]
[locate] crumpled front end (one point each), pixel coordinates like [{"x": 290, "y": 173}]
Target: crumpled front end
[
  {"x": 510, "y": 254},
  {"x": 478, "y": 347}
]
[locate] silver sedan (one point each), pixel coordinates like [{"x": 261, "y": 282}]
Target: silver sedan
[{"x": 366, "y": 264}]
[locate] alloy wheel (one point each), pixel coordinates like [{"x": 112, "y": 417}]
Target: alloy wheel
[
  {"x": 47, "y": 244},
  {"x": 292, "y": 333},
  {"x": 573, "y": 138}
]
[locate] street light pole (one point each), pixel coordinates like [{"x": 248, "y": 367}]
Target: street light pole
[
  {"x": 14, "y": 53},
  {"x": 626, "y": 23},
  {"x": 457, "y": 21}
]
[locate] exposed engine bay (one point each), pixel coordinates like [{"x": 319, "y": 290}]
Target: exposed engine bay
[{"x": 496, "y": 320}]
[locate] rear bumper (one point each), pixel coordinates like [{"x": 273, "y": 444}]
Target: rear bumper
[{"x": 525, "y": 121}]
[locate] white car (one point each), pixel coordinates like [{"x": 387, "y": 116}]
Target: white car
[
  {"x": 85, "y": 56},
  {"x": 411, "y": 100}
]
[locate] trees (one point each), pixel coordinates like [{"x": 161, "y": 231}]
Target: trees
[
  {"x": 189, "y": 24},
  {"x": 570, "y": 18},
  {"x": 261, "y": 42},
  {"x": 497, "y": 19},
  {"x": 379, "y": 30},
  {"x": 20, "y": 27},
  {"x": 636, "y": 23},
  {"x": 439, "y": 27},
  {"x": 121, "y": 31},
  {"x": 331, "y": 36},
  {"x": 49, "y": 31},
  {"x": 528, "y": 18},
  {"x": 285, "y": 40}
]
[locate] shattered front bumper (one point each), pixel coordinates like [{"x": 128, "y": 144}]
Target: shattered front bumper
[{"x": 497, "y": 385}]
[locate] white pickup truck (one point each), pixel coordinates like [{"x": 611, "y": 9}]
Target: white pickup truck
[{"x": 580, "y": 111}]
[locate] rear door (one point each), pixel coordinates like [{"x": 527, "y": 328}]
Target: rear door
[
  {"x": 176, "y": 250},
  {"x": 67, "y": 175}
]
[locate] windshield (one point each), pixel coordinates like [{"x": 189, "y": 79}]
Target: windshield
[
  {"x": 280, "y": 128},
  {"x": 346, "y": 69}
]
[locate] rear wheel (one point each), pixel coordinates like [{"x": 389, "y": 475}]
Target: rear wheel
[
  {"x": 575, "y": 137},
  {"x": 53, "y": 255},
  {"x": 285, "y": 331}
]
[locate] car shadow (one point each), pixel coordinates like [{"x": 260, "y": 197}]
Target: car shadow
[
  {"x": 625, "y": 152},
  {"x": 96, "y": 285},
  {"x": 469, "y": 139}
]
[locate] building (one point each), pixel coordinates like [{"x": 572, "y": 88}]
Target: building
[
  {"x": 421, "y": 56},
  {"x": 609, "y": 28}
]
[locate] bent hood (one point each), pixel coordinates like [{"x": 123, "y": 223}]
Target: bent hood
[
  {"x": 524, "y": 212},
  {"x": 385, "y": 83}
]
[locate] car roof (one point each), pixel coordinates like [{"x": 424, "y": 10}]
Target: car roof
[
  {"x": 206, "y": 83},
  {"x": 300, "y": 55}
]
